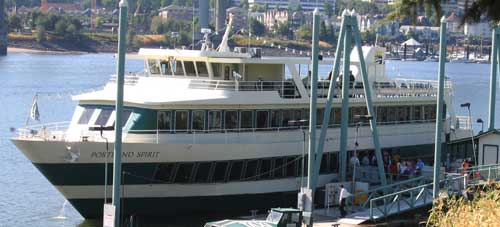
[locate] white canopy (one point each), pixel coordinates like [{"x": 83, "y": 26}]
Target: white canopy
[{"x": 411, "y": 42}]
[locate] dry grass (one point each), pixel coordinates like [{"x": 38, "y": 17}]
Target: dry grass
[
  {"x": 151, "y": 39},
  {"x": 19, "y": 36},
  {"x": 483, "y": 210}
]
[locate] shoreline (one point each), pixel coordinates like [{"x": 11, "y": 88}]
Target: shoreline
[{"x": 19, "y": 50}]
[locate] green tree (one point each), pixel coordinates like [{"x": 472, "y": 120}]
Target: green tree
[
  {"x": 298, "y": 8},
  {"x": 40, "y": 34},
  {"x": 60, "y": 27},
  {"x": 99, "y": 21},
  {"x": 256, "y": 27},
  {"x": 14, "y": 22},
  {"x": 328, "y": 9},
  {"x": 411, "y": 9},
  {"x": 304, "y": 32},
  {"x": 487, "y": 8},
  {"x": 157, "y": 25},
  {"x": 244, "y": 4}
]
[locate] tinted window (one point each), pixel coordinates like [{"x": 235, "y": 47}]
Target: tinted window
[
  {"x": 251, "y": 170},
  {"x": 262, "y": 119},
  {"x": 163, "y": 173},
  {"x": 287, "y": 116},
  {"x": 103, "y": 117},
  {"x": 198, "y": 120},
  {"x": 236, "y": 168},
  {"x": 184, "y": 173},
  {"x": 181, "y": 120},
  {"x": 220, "y": 171},
  {"x": 291, "y": 168},
  {"x": 190, "y": 70},
  {"x": 154, "y": 68},
  {"x": 86, "y": 115},
  {"x": 203, "y": 172},
  {"x": 231, "y": 119},
  {"x": 125, "y": 116},
  {"x": 214, "y": 120},
  {"x": 265, "y": 169},
  {"x": 246, "y": 119},
  {"x": 164, "y": 120},
  {"x": 279, "y": 167},
  {"x": 276, "y": 118},
  {"x": 177, "y": 68},
  {"x": 202, "y": 69}
]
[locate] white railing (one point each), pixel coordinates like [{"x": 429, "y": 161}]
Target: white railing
[
  {"x": 49, "y": 131},
  {"x": 285, "y": 88}
]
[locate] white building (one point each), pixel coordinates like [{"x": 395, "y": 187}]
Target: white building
[
  {"x": 307, "y": 5},
  {"x": 481, "y": 29}
]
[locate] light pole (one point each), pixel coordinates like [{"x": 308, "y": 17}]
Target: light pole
[
  {"x": 467, "y": 105},
  {"x": 360, "y": 119},
  {"x": 479, "y": 120},
  {"x": 300, "y": 124}
]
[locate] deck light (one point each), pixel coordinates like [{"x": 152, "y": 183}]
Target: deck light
[{"x": 479, "y": 120}]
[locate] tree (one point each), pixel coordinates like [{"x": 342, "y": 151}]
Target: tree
[
  {"x": 328, "y": 9},
  {"x": 60, "y": 27},
  {"x": 99, "y": 21},
  {"x": 479, "y": 8},
  {"x": 14, "y": 22},
  {"x": 40, "y": 34},
  {"x": 304, "y": 32},
  {"x": 256, "y": 27},
  {"x": 244, "y": 4},
  {"x": 298, "y": 8}
]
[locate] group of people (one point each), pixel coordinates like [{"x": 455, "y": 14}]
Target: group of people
[{"x": 393, "y": 164}]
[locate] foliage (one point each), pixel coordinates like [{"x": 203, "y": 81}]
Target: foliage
[
  {"x": 66, "y": 26},
  {"x": 14, "y": 22},
  {"x": 483, "y": 210},
  {"x": 256, "y": 27},
  {"x": 304, "y": 32},
  {"x": 362, "y": 7},
  {"x": 411, "y": 9},
  {"x": 328, "y": 9},
  {"x": 99, "y": 21},
  {"x": 479, "y": 8},
  {"x": 40, "y": 34}
]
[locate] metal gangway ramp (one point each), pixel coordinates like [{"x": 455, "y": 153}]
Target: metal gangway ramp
[{"x": 408, "y": 195}]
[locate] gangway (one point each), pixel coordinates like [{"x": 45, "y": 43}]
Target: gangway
[{"x": 407, "y": 199}]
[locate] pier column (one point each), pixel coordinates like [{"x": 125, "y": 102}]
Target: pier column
[
  {"x": 344, "y": 123},
  {"x": 495, "y": 46},
  {"x": 3, "y": 29},
  {"x": 117, "y": 157},
  {"x": 439, "y": 114}
]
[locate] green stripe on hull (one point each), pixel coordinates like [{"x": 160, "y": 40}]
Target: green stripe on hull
[{"x": 69, "y": 174}]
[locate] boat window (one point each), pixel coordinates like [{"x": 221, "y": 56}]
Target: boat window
[
  {"x": 198, "y": 120},
  {"x": 382, "y": 114},
  {"x": 125, "y": 115},
  {"x": 220, "y": 171},
  {"x": 265, "y": 169},
  {"x": 337, "y": 115},
  {"x": 214, "y": 120},
  {"x": 291, "y": 167},
  {"x": 86, "y": 115},
  {"x": 164, "y": 120},
  {"x": 287, "y": 116},
  {"x": 203, "y": 172},
  {"x": 154, "y": 68},
  {"x": 279, "y": 167},
  {"x": 103, "y": 117},
  {"x": 251, "y": 170},
  {"x": 404, "y": 113},
  {"x": 184, "y": 172},
  {"x": 177, "y": 68},
  {"x": 165, "y": 68},
  {"x": 163, "y": 173},
  {"x": 236, "y": 168},
  {"x": 302, "y": 162},
  {"x": 324, "y": 163},
  {"x": 216, "y": 70},
  {"x": 276, "y": 118},
  {"x": 332, "y": 117},
  {"x": 181, "y": 120},
  {"x": 298, "y": 114},
  {"x": 189, "y": 67},
  {"x": 319, "y": 116},
  {"x": 231, "y": 119},
  {"x": 246, "y": 119},
  {"x": 202, "y": 69},
  {"x": 429, "y": 112},
  {"x": 262, "y": 119},
  {"x": 417, "y": 113}
]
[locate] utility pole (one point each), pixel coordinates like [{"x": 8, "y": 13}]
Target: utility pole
[
  {"x": 439, "y": 114},
  {"x": 495, "y": 56},
  {"x": 117, "y": 157}
]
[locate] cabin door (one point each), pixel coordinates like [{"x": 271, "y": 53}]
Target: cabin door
[{"x": 490, "y": 154}]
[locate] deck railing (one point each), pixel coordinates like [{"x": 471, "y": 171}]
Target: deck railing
[{"x": 285, "y": 89}]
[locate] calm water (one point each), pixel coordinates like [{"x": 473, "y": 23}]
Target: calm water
[{"x": 28, "y": 199}]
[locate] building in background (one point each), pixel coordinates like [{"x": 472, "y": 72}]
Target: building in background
[
  {"x": 173, "y": 12},
  {"x": 307, "y": 5},
  {"x": 55, "y": 5},
  {"x": 481, "y": 29}
]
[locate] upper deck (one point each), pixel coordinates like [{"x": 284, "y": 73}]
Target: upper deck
[{"x": 183, "y": 78}]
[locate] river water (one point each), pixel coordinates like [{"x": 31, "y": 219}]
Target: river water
[{"x": 28, "y": 199}]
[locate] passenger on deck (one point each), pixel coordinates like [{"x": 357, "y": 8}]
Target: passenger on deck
[
  {"x": 344, "y": 194},
  {"x": 366, "y": 160}
]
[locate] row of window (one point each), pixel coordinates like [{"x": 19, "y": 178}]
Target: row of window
[
  {"x": 182, "y": 120},
  {"x": 239, "y": 170},
  {"x": 103, "y": 117}
]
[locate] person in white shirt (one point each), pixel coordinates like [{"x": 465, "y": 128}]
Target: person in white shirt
[{"x": 344, "y": 194}]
